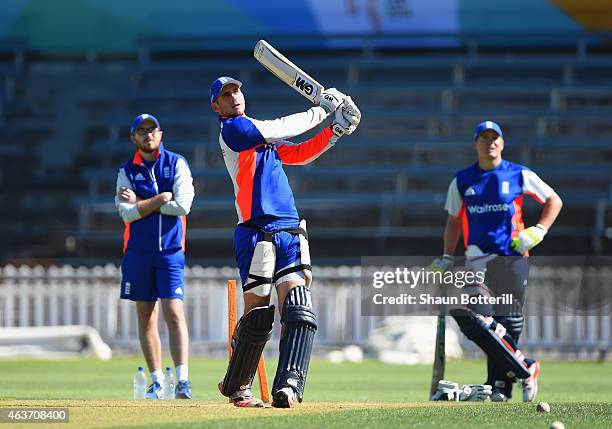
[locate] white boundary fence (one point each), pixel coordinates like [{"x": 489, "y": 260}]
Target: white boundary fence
[{"x": 90, "y": 296}]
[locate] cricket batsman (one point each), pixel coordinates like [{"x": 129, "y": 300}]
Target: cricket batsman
[
  {"x": 270, "y": 240},
  {"x": 486, "y": 200}
]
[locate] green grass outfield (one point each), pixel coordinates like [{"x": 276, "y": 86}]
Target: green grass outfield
[{"x": 355, "y": 395}]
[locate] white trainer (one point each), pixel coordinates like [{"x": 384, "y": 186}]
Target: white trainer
[
  {"x": 284, "y": 398},
  {"x": 530, "y": 384}
]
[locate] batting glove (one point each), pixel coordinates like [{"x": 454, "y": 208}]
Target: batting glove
[
  {"x": 351, "y": 112},
  {"x": 442, "y": 264},
  {"x": 475, "y": 392},
  {"x": 447, "y": 391},
  {"x": 528, "y": 238},
  {"x": 331, "y": 98},
  {"x": 341, "y": 125}
]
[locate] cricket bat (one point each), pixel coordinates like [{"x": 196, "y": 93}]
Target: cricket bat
[
  {"x": 439, "y": 355},
  {"x": 288, "y": 72}
]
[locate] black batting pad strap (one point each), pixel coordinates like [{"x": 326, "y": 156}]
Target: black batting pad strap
[
  {"x": 258, "y": 280},
  {"x": 501, "y": 349},
  {"x": 268, "y": 234},
  {"x": 294, "y": 269},
  {"x": 296, "y": 343},
  {"x": 250, "y": 337},
  {"x": 296, "y": 230}
]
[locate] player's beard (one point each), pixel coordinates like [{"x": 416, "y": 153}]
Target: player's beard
[{"x": 148, "y": 149}]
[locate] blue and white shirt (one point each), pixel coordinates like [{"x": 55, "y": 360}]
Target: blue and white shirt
[
  {"x": 490, "y": 204},
  {"x": 254, "y": 153},
  {"x": 161, "y": 231}
]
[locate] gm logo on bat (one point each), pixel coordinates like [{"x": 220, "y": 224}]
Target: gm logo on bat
[{"x": 303, "y": 85}]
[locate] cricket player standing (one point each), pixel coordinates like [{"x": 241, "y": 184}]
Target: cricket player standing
[
  {"x": 270, "y": 240},
  {"x": 153, "y": 197},
  {"x": 486, "y": 199}
]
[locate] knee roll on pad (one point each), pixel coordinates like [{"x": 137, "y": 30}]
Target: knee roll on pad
[
  {"x": 296, "y": 344},
  {"x": 252, "y": 332},
  {"x": 493, "y": 339}
]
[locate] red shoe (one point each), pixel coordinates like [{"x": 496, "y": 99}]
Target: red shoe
[{"x": 243, "y": 398}]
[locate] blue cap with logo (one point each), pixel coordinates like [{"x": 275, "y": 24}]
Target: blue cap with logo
[
  {"x": 140, "y": 119},
  {"x": 217, "y": 86},
  {"x": 487, "y": 125}
]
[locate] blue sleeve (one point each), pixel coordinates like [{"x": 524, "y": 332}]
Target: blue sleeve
[{"x": 241, "y": 134}]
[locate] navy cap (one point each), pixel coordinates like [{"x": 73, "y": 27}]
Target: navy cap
[
  {"x": 217, "y": 86},
  {"x": 140, "y": 119},
  {"x": 487, "y": 125}
]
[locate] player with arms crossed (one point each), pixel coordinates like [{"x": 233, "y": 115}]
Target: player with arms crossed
[
  {"x": 153, "y": 197},
  {"x": 270, "y": 240},
  {"x": 486, "y": 199}
]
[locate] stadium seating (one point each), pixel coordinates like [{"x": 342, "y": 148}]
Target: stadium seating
[{"x": 379, "y": 191}]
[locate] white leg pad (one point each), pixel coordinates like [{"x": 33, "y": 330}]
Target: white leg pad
[{"x": 262, "y": 267}]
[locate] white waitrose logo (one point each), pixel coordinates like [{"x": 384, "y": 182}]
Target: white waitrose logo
[
  {"x": 469, "y": 192},
  {"x": 128, "y": 288},
  {"x": 505, "y": 187},
  {"x": 166, "y": 172},
  {"x": 488, "y": 208}
]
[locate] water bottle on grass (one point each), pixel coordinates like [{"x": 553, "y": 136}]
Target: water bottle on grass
[
  {"x": 140, "y": 384},
  {"x": 169, "y": 384}
]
